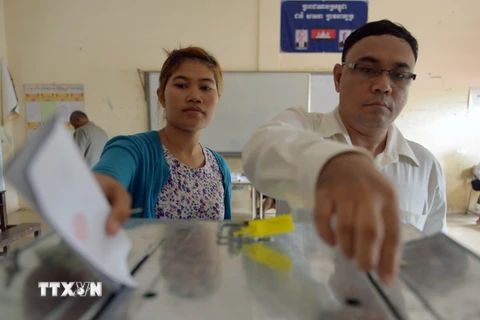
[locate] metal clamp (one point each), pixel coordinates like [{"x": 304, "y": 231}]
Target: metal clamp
[{"x": 235, "y": 243}]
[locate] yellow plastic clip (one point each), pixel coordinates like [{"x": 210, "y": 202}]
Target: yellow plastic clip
[
  {"x": 267, "y": 227},
  {"x": 267, "y": 256}
]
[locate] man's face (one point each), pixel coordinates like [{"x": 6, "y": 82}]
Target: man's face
[{"x": 368, "y": 99}]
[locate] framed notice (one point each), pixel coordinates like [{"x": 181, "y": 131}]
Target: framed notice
[
  {"x": 47, "y": 100},
  {"x": 320, "y": 26}
]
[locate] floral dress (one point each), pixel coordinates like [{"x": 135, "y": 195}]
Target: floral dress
[{"x": 192, "y": 193}]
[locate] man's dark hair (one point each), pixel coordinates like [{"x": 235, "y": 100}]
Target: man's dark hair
[
  {"x": 77, "y": 115},
  {"x": 378, "y": 28}
]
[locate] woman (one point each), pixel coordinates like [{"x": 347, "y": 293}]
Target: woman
[{"x": 168, "y": 173}]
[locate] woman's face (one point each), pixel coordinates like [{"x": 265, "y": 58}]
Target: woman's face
[{"x": 190, "y": 96}]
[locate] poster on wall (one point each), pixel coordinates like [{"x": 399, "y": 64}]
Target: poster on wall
[
  {"x": 319, "y": 26},
  {"x": 43, "y": 101}
]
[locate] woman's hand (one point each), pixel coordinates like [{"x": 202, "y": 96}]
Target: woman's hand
[{"x": 119, "y": 199}]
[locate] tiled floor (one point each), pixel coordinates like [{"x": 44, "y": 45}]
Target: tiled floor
[{"x": 462, "y": 228}]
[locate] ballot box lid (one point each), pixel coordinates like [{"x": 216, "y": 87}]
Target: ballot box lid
[{"x": 200, "y": 270}]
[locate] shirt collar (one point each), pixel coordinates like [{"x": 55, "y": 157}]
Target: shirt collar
[{"x": 397, "y": 146}]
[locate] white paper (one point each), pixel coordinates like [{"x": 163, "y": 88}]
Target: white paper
[
  {"x": 31, "y": 133},
  {"x": 63, "y": 110},
  {"x": 474, "y": 99},
  {"x": 51, "y": 172},
  {"x": 7, "y": 140},
  {"x": 33, "y": 112},
  {"x": 2, "y": 181},
  {"x": 9, "y": 98}
]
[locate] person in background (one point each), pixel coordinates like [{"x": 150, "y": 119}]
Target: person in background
[
  {"x": 476, "y": 187},
  {"x": 268, "y": 203},
  {"x": 89, "y": 137},
  {"x": 168, "y": 173},
  {"x": 353, "y": 164}
]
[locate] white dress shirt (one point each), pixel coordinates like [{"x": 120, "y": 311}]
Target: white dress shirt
[{"x": 285, "y": 156}]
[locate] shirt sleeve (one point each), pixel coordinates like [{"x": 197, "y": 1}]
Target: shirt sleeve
[
  {"x": 437, "y": 216},
  {"x": 284, "y": 157},
  {"x": 81, "y": 140},
  {"x": 119, "y": 160}
]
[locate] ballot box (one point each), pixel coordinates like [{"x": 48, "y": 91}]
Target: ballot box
[{"x": 201, "y": 270}]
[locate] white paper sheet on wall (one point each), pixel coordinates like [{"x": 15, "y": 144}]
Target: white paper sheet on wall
[
  {"x": 2, "y": 181},
  {"x": 33, "y": 112},
  {"x": 43, "y": 101},
  {"x": 474, "y": 99},
  {"x": 155, "y": 110},
  {"x": 11, "y": 109}
]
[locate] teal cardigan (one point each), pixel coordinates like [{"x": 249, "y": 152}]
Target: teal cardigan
[{"x": 138, "y": 163}]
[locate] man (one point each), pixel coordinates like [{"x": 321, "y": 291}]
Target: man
[
  {"x": 89, "y": 138},
  {"x": 353, "y": 164}
]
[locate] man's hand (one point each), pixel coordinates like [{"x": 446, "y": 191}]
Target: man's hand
[
  {"x": 119, "y": 199},
  {"x": 365, "y": 207}
]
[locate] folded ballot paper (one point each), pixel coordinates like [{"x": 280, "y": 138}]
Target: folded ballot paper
[{"x": 52, "y": 175}]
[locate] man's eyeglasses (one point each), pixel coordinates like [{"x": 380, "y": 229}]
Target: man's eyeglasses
[{"x": 399, "y": 77}]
